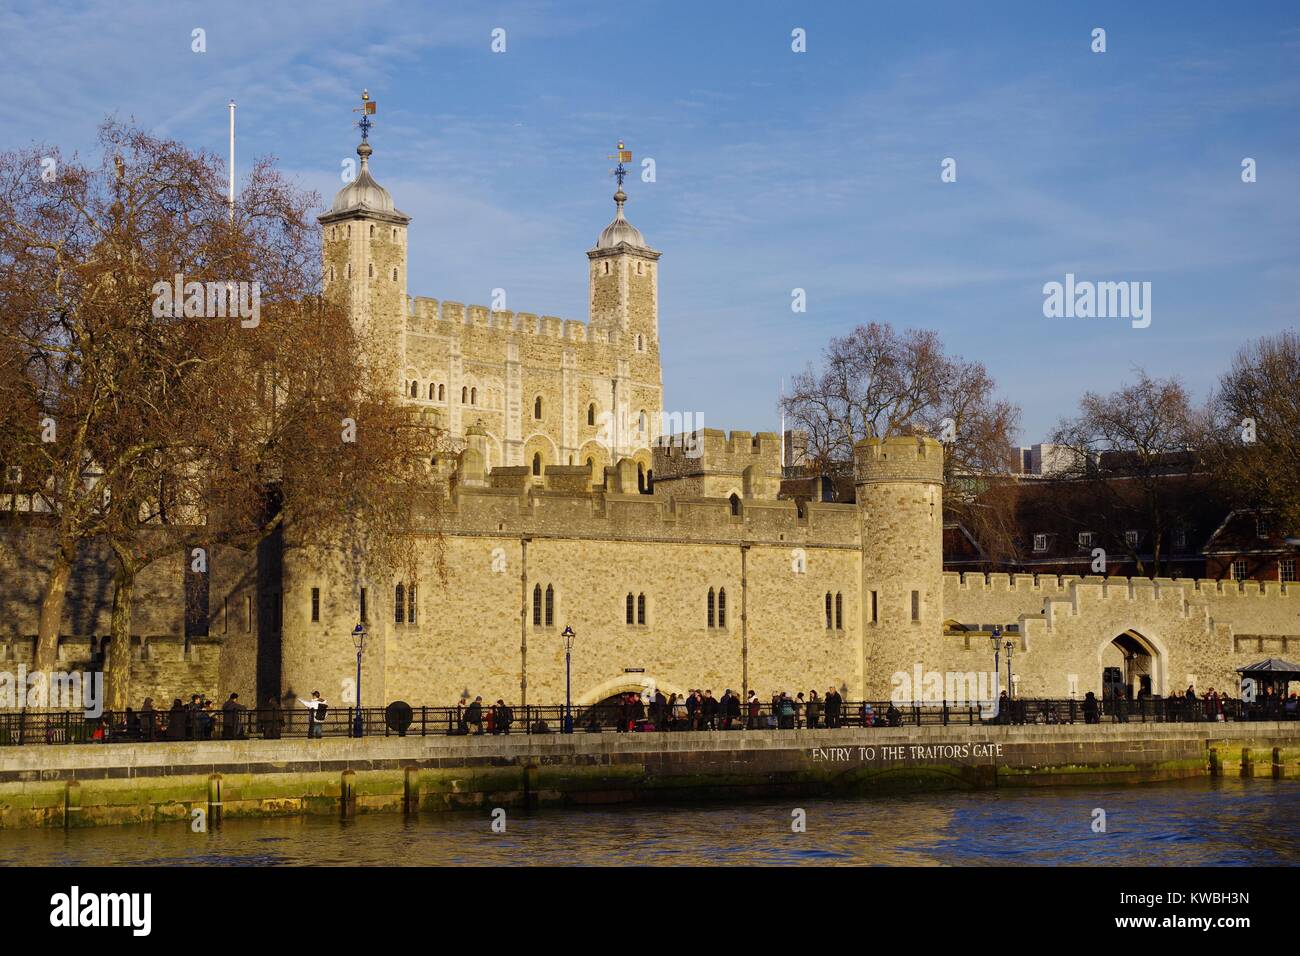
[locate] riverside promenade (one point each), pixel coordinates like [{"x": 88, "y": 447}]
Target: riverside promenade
[{"x": 89, "y": 784}]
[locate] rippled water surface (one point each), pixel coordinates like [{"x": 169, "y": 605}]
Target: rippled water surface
[{"x": 1201, "y": 822}]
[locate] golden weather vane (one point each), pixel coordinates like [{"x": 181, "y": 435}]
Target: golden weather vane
[
  {"x": 624, "y": 155},
  {"x": 367, "y": 110}
]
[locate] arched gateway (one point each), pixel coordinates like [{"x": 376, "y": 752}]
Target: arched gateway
[
  {"x": 603, "y": 703},
  {"x": 1132, "y": 664}
]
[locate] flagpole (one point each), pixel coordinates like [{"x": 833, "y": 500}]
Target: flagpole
[
  {"x": 232, "y": 160},
  {"x": 783, "y": 459}
]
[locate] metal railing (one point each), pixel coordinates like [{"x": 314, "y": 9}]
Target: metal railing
[{"x": 74, "y": 727}]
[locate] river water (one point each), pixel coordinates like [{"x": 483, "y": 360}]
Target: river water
[{"x": 1201, "y": 822}]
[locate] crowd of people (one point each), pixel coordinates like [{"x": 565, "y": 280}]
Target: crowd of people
[
  {"x": 201, "y": 720},
  {"x": 498, "y": 718},
  {"x": 701, "y": 710},
  {"x": 697, "y": 710}
]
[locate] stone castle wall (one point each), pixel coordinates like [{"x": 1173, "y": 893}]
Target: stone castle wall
[
  {"x": 1199, "y": 630},
  {"x": 476, "y": 633},
  {"x": 492, "y": 367},
  {"x": 164, "y": 664}
]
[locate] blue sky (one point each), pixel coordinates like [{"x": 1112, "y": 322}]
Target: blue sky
[{"x": 775, "y": 170}]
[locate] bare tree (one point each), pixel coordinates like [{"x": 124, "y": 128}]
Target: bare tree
[
  {"x": 1134, "y": 453},
  {"x": 176, "y": 428},
  {"x": 1256, "y": 426},
  {"x": 878, "y": 382}
]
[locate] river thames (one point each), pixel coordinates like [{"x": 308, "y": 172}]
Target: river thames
[{"x": 1202, "y": 822}]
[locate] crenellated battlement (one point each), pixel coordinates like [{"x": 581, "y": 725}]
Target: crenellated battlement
[
  {"x": 426, "y": 316},
  {"x": 713, "y": 450},
  {"x": 1127, "y": 588},
  {"x": 901, "y": 458},
  {"x": 565, "y": 503}
]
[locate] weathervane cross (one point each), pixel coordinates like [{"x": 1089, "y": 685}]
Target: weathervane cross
[
  {"x": 367, "y": 110},
  {"x": 623, "y": 155}
]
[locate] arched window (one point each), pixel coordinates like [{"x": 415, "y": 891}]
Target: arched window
[
  {"x": 394, "y": 275},
  {"x": 394, "y": 234},
  {"x": 650, "y": 482},
  {"x": 473, "y": 396},
  {"x": 591, "y": 414},
  {"x": 464, "y": 394},
  {"x": 410, "y": 604},
  {"x": 722, "y": 607},
  {"x": 640, "y": 608},
  {"x": 415, "y": 388},
  {"x": 839, "y": 611},
  {"x": 640, "y": 477},
  {"x": 370, "y": 269},
  {"x": 537, "y": 408},
  {"x": 431, "y": 391},
  {"x": 399, "y": 603},
  {"x": 640, "y": 343},
  {"x": 629, "y": 607},
  {"x": 606, "y": 267},
  {"x": 334, "y": 232},
  {"x": 591, "y": 463},
  {"x": 347, "y": 271},
  {"x": 712, "y": 600},
  {"x": 829, "y": 619},
  {"x": 735, "y": 504},
  {"x": 641, "y": 421},
  {"x": 440, "y": 393},
  {"x": 372, "y": 232},
  {"x": 537, "y": 463},
  {"x": 537, "y": 605},
  {"x": 550, "y": 606}
]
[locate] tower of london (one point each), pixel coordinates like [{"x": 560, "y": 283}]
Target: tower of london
[{"x": 674, "y": 558}]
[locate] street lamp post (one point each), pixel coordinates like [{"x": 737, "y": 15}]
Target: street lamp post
[
  {"x": 997, "y": 662},
  {"x": 1010, "y": 645},
  {"x": 358, "y": 641},
  {"x": 996, "y": 637},
  {"x": 567, "y": 634}
]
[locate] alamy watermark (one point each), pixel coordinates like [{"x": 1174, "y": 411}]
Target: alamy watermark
[
  {"x": 956, "y": 688},
  {"x": 208, "y": 300},
  {"x": 1098, "y": 300},
  {"x": 53, "y": 690}
]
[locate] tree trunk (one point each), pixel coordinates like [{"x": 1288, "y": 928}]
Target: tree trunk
[
  {"x": 47, "y": 634},
  {"x": 117, "y": 663}
]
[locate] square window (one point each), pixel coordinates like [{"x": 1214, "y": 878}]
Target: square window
[{"x": 1040, "y": 542}]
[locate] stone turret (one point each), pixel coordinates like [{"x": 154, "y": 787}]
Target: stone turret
[
  {"x": 364, "y": 249},
  {"x": 473, "y": 459},
  {"x": 709, "y": 463},
  {"x": 899, "y": 483}
]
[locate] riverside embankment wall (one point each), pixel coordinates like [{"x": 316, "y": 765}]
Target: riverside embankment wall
[{"x": 83, "y": 785}]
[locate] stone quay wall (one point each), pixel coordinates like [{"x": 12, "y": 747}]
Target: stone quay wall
[{"x": 87, "y": 785}]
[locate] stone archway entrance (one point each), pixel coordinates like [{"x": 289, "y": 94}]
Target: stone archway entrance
[
  {"x": 603, "y": 703},
  {"x": 1132, "y": 667}
]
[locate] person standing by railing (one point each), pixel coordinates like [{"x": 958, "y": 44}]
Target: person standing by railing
[
  {"x": 814, "y": 710},
  {"x": 503, "y": 716},
  {"x": 271, "y": 718},
  {"x": 148, "y": 721},
  {"x": 474, "y": 715},
  {"x": 316, "y": 710},
  {"x": 230, "y": 718},
  {"x": 833, "y": 704},
  {"x": 710, "y": 710}
]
